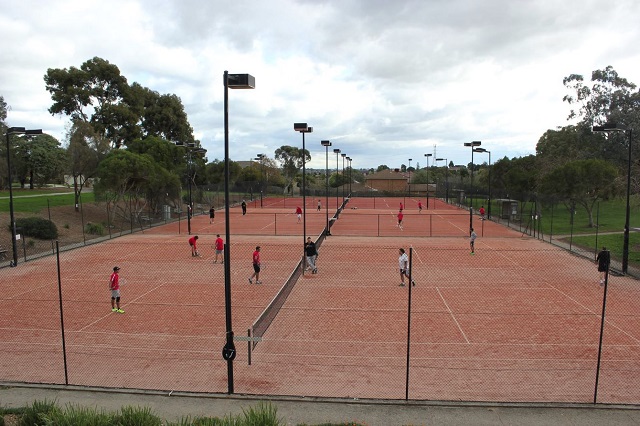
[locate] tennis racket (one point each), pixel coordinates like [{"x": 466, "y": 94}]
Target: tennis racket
[{"x": 262, "y": 267}]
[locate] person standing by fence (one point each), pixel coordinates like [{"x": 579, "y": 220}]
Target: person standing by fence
[
  {"x": 193, "y": 244},
  {"x": 244, "y": 207},
  {"x": 472, "y": 241},
  {"x": 114, "y": 287},
  {"x": 212, "y": 215},
  {"x": 603, "y": 259},
  {"x": 403, "y": 264},
  {"x": 256, "y": 267},
  {"x": 218, "y": 245},
  {"x": 312, "y": 254}
]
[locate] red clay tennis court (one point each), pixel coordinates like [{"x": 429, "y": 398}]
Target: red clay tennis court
[{"x": 518, "y": 321}]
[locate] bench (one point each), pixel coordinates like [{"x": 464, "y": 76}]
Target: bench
[{"x": 3, "y": 253}]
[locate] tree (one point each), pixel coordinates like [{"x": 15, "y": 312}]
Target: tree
[
  {"x": 39, "y": 158},
  {"x": 98, "y": 94},
  {"x": 85, "y": 149},
  {"x": 124, "y": 174},
  {"x": 291, "y": 158},
  {"x": 582, "y": 182},
  {"x": 382, "y": 167},
  {"x": 3, "y": 128},
  {"x": 215, "y": 171},
  {"x": 610, "y": 97},
  {"x": 94, "y": 93}
]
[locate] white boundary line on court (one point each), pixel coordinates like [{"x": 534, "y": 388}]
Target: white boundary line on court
[{"x": 453, "y": 316}]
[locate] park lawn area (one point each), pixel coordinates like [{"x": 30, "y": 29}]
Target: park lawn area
[
  {"x": 614, "y": 243},
  {"x": 608, "y": 216},
  {"x": 35, "y": 201}
]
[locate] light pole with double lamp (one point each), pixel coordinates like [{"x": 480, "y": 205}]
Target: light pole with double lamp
[
  {"x": 15, "y": 131},
  {"x": 409, "y": 170},
  {"x": 488, "y": 152},
  {"x": 337, "y": 152},
  {"x": 349, "y": 160},
  {"x": 617, "y": 127},
  {"x": 191, "y": 148},
  {"x": 446, "y": 179},
  {"x": 472, "y": 145},
  {"x": 233, "y": 81},
  {"x": 261, "y": 157},
  {"x": 326, "y": 145},
  {"x": 303, "y": 128},
  {"x": 427, "y": 156},
  {"x": 343, "y": 155}
]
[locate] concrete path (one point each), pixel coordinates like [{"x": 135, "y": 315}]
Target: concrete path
[{"x": 313, "y": 411}]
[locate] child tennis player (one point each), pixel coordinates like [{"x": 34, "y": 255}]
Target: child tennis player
[{"x": 114, "y": 287}]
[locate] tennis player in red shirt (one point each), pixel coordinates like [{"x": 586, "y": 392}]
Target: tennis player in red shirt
[
  {"x": 219, "y": 246},
  {"x": 194, "y": 248},
  {"x": 256, "y": 267},
  {"x": 114, "y": 286},
  {"x": 299, "y": 213},
  {"x": 400, "y": 216}
]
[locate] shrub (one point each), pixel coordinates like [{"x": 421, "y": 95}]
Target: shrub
[
  {"x": 94, "y": 229},
  {"x": 37, "y": 227}
]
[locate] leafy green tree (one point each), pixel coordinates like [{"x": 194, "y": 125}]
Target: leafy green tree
[
  {"x": 94, "y": 93},
  {"x": 137, "y": 177},
  {"x": 610, "y": 97},
  {"x": 582, "y": 182},
  {"x": 162, "y": 116},
  {"x": 98, "y": 94},
  {"x": 3, "y": 128},
  {"x": 382, "y": 167},
  {"x": 85, "y": 149},
  {"x": 291, "y": 158},
  {"x": 39, "y": 158},
  {"x": 215, "y": 171}
]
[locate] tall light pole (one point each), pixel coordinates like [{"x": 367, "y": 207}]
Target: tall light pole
[
  {"x": 303, "y": 128},
  {"x": 337, "y": 152},
  {"x": 343, "y": 155},
  {"x": 15, "y": 131},
  {"x": 233, "y": 81},
  {"x": 488, "y": 152},
  {"x": 472, "y": 145},
  {"x": 446, "y": 179},
  {"x": 428, "y": 155},
  {"x": 326, "y": 145},
  {"x": 617, "y": 127},
  {"x": 350, "y": 169},
  {"x": 261, "y": 158},
  {"x": 408, "y": 169},
  {"x": 191, "y": 148}
]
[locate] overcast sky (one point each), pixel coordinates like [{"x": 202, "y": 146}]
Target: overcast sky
[{"x": 384, "y": 81}]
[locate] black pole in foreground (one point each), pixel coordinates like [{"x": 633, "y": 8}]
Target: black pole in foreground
[{"x": 604, "y": 306}]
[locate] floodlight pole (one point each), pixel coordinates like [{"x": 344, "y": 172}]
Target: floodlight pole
[
  {"x": 326, "y": 144},
  {"x": 409, "y": 178},
  {"x": 337, "y": 152},
  {"x": 303, "y": 128},
  {"x": 625, "y": 248},
  {"x": 487, "y": 152},
  {"x": 14, "y": 233},
  {"x": 434, "y": 202},
  {"x": 446, "y": 179},
  {"x": 472, "y": 145},
  {"x": 240, "y": 81}
]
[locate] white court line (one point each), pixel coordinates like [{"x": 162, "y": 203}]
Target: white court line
[
  {"x": 453, "y": 316},
  {"x": 110, "y": 313}
]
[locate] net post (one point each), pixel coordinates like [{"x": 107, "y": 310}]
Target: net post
[{"x": 249, "y": 346}]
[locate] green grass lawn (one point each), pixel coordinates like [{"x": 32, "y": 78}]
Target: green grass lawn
[
  {"x": 614, "y": 243},
  {"x": 556, "y": 219},
  {"x": 25, "y": 201}
]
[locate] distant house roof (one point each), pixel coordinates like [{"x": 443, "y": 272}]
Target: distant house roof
[{"x": 387, "y": 174}]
